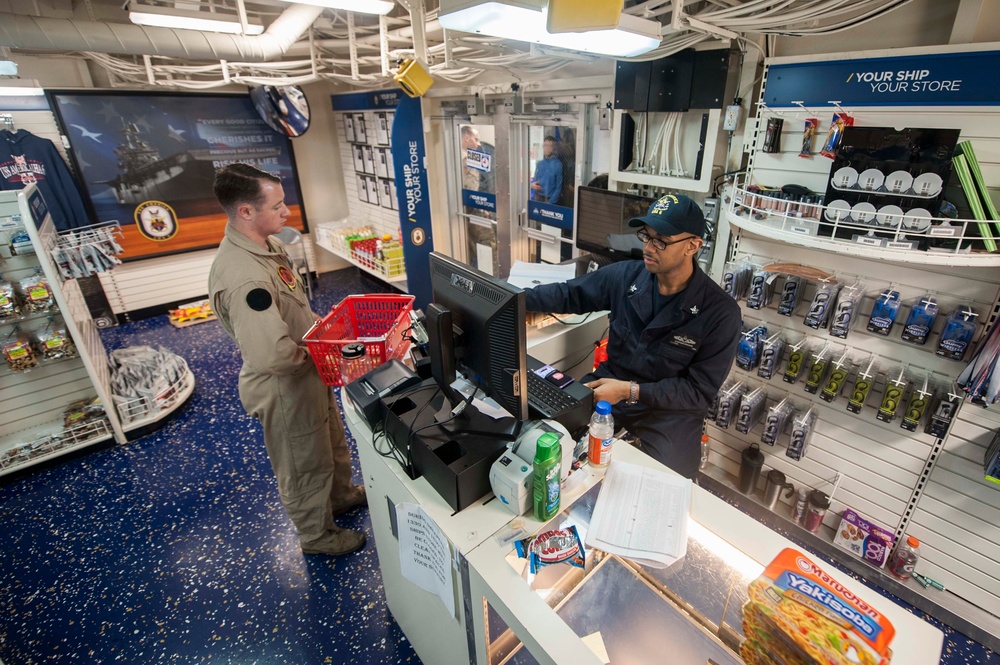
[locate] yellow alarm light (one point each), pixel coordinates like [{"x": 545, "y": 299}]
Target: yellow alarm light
[
  {"x": 583, "y": 15},
  {"x": 413, "y": 78}
]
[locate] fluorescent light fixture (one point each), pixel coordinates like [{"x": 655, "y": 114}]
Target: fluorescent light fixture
[
  {"x": 359, "y": 6},
  {"x": 20, "y": 91},
  {"x": 166, "y": 17},
  {"x": 525, "y": 20}
]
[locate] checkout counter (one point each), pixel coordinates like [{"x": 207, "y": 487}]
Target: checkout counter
[
  {"x": 687, "y": 613},
  {"x": 690, "y": 610}
]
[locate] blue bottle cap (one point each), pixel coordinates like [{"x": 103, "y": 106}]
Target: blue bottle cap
[{"x": 603, "y": 408}]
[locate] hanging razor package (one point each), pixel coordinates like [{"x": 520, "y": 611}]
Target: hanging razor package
[
  {"x": 802, "y": 429},
  {"x": 776, "y": 421},
  {"x": 892, "y": 397},
  {"x": 751, "y": 409},
  {"x": 845, "y": 314},
  {"x": 822, "y": 305},
  {"x": 920, "y": 399},
  {"x": 867, "y": 373},
  {"x": 920, "y": 322},
  {"x": 761, "y": 289},
  {"x": 943, "y": 410},
  {"x": 837, "y": 379},
  {"x": 729, "y": 401},
  {"x": 796, "y": 361},
  {"x": 884, "y": 313},
  {"x": 817, "y": 370},
  {"x": 736, "y": 278},
  {"x": 958, "y": 332},
  {"x": 748, "y": 351},
  {"x": 770, "y": 356},
  {"x": 791, "y": 293}
]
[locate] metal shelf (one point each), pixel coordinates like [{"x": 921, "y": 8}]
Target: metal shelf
[
  {"x": 773, "y": 223},
  {"x": 398, "y": 280},
  {"x": 45, "y": 444}
]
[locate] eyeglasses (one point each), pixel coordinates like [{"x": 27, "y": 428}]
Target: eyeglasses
[{"x": 656, "y": 242}]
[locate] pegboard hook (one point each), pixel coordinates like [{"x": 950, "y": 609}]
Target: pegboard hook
[
  {"x": 802, "y": 106},
  {"x": 764, "y": 106},
  {"x": 837, "y": 104}
]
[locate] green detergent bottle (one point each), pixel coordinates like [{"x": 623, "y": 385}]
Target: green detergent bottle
[{"x": 548, "y": 459}]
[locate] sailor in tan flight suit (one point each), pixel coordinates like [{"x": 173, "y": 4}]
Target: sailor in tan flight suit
[{"x": 261, "y": 305}]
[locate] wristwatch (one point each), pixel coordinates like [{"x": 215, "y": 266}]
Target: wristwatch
[{"x": 633, "y": 393}]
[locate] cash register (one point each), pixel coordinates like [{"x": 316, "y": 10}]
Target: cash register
[{"x": 475, "y": 326}]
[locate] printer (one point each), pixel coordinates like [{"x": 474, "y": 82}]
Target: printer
[{"x": 510, "y": 475}]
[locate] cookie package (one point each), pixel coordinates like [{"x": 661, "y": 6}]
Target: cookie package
[
  {"x": 798, "y": 614},
  {"x": 864, "y": 539}
]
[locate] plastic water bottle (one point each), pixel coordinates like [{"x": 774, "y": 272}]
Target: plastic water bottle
[
  {"x": 545, "y": 476},
  {"x": 705, "y": 450},
  {"x": 602, "y": 435},
  {"x": 904, "y": 560}
]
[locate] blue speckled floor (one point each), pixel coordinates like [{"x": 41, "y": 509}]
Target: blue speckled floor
[{"x": 175, "y": 547}]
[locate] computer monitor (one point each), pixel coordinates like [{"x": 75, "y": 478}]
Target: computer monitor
[
  {"x": 489, "y": 317},
  {"x": 602, "y": 222}
]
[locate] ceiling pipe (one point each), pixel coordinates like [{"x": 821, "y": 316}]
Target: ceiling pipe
[
  {"x": 56, "y": 34},
  {"x": 433, "y": 29}
]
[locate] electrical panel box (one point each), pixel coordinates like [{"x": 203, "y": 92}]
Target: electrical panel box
[
  {"x": 670, "y": 83},
  {"x": 685, "y": 80},
  {"x": 632, "y": 85}
]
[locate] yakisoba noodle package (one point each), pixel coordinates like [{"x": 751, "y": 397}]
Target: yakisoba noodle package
[{"x": 798, "y": 614}]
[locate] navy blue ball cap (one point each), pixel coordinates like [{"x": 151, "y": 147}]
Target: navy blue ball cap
[{"x": 673, "y": 215}]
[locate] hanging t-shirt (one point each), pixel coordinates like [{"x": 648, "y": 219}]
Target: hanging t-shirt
[{"x": 26, "y": 158}]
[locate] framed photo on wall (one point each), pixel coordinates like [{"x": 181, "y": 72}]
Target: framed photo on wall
[{"x": 148, "y": 159}]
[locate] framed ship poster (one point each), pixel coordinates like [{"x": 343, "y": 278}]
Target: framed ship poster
[{"x": 148, "y": 159}]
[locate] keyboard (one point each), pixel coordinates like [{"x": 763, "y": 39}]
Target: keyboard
[{"x": 547, "y": 399}]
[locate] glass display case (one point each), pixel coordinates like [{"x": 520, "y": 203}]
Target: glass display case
[{"x": 628, "y": 612}]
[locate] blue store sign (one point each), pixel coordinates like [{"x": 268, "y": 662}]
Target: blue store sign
[
  {"x": 479, "y": 200},
  {"x": 409, "y": 159},
  {"x": 921, "y": 80},
  {"x": 553, "y": 215}
]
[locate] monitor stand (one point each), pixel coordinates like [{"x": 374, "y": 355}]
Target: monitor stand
[{"x": 455, "y": 456}]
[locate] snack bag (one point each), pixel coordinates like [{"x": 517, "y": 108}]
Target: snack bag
[
  {"x": 798, "y": 612},
  {"x": 37, "y": 294},
  {"x": 551, "y": 547},
  {"x": 19, "y": 353},
  {"x": 54, "y": 343},
  {"x": 8, "y": 302}
]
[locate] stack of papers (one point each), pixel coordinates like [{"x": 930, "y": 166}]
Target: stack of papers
[
  {"x": 641, "y": 514},
  {"x": 526, "y": 275}
]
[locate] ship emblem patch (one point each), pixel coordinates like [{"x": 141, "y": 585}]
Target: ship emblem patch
[
  {"x": 156, "y": 220},
  {"x": 287, "y": 276}
]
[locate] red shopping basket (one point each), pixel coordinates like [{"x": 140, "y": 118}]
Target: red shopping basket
[{"x": 376, "y": 320}]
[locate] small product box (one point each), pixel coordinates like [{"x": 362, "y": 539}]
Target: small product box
[{"x": 863, "y": 539}]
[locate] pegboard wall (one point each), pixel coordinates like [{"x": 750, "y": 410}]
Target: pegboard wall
[
  {"x": 957, "y": 515},
  {"x": 369, "y": 176},
  {"x": 880, "y": 463},
  {"x": 911, "y": 483}
]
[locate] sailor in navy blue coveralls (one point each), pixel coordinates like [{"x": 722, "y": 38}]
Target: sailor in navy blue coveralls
[{"x": 672, "y": 337}]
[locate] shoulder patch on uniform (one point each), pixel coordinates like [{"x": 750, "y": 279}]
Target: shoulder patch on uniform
[{"x": 259, "y": 299}]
